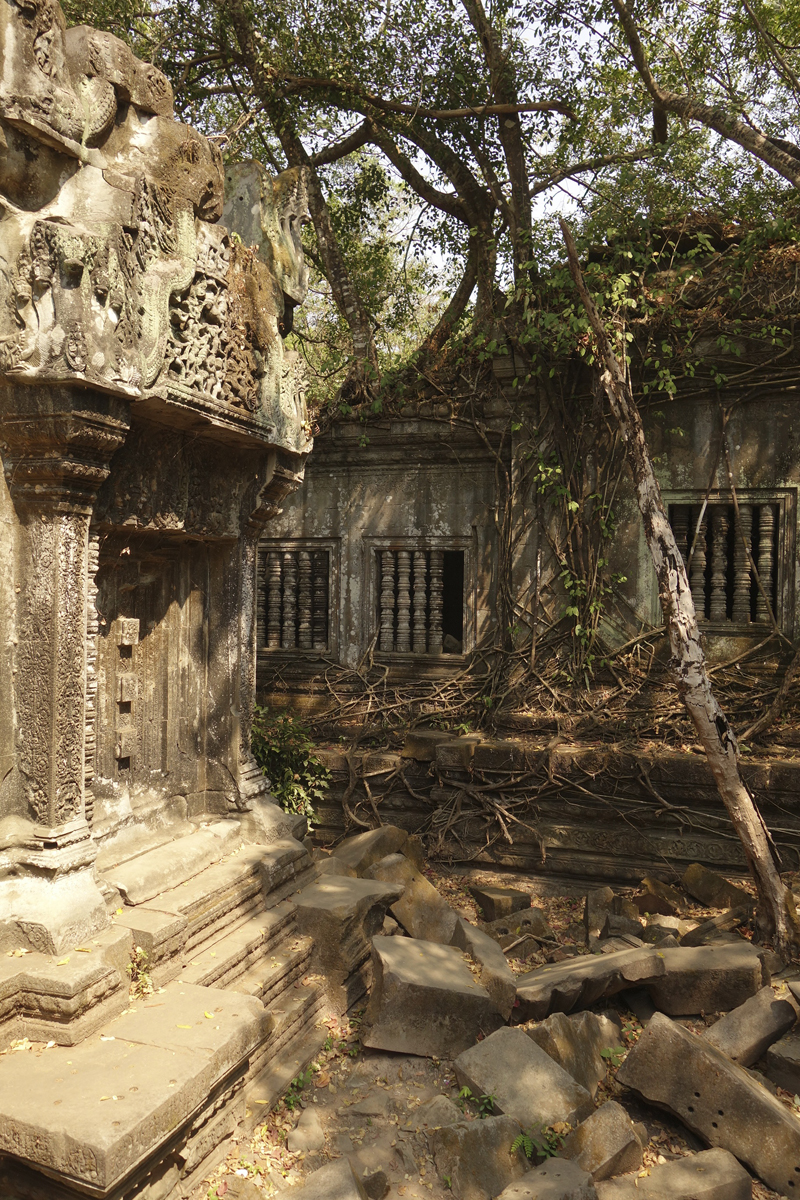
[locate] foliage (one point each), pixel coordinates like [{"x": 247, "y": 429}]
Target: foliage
[
  {"x": 296, "y": 1088},
  {"x": 483, "y": 1103},
  {"x": 613, "y": 1055},
  {"x": 139, "y": 972},
  {"x": 545, "y": 1144},
  {"x": 284, "y": 751}
]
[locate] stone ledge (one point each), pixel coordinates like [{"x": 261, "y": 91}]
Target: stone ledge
[{"x": 92, "y": 1114}]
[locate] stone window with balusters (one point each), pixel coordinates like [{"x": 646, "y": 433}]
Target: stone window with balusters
[
  {"x": 294, "y": 593},
  {"x": 721, "y": 542},
  {"x": 420, "y": 600}
]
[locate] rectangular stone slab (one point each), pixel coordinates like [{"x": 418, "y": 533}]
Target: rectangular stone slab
[
  {"x": 747, "y": 1031},
  {"x": 716, "y": 1099},
  {"x": 708, "y": 979},
  {"x": 526, "y": 1083},
  {"x": 424, "y": 1000},
  {"x": 94, "y": 1112},
  {"x": 710, "y": 1175},
  {"x": 579, "y": 982}
]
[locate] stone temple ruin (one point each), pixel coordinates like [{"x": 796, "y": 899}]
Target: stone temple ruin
[{"x": 151, "y": 424}]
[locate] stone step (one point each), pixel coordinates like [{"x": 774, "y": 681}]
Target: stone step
[
  {"x": 275, "y": 971},
  {"x": 135, "y": 840},
  {"x": 64, "y": 998},
  {"x": 264, "y": 1090},
  {"x": 246, "y": 948},
  {"x": 182, "y": 923},
  {"x": 168, "y": 866}
]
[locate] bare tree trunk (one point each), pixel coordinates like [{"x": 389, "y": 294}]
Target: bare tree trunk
[{"x": 777, "y": 916}]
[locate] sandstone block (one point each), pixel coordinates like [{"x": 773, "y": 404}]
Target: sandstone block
[
  {"x": 524, "y": 1081},
  {"x": 657, "y": 897},
  {"x": 376, "y": 1185},
  {"x": 557, "y": 1179},
  {"x": 579, "y": 982},
  {"x": 424, "y": 1000},
  {"x": 619, "y": 926},
  {"x": 392, "y": 868},
  {"x": 711, "y": 889},
  {"x": 496, "y": 975},
  {"x": 596, "y": 908},
  {"x": 716, "y": 1099},
  {"x": 747, "y": 1031},
  {"x": 342, "y": 915},
  {"x": 782, "y": 1063},
  {"x": 527, "y": 920},
  {"x": 497, "y": 902},
  {"x": 706, "y": 978},
  {"x": 437, "y": 1112},
  {"x": 710, "y": 1175},
  {"x": 364, "y": 849},
  {"x": 717, "y": 928},
  {"x": 421, "y": 743},
  {"x": 605, "y": 1143},
  {"x": 335, "y": 1181},
  {"x": 476, "y": 1156},
  {"x": 424, "y": 913},
  {"x": 308, "y": 1134},
  {"x": 576, "y": 1043}
]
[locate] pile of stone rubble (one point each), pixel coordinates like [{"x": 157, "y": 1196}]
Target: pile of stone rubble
[{"x": 718, "y": 1037}]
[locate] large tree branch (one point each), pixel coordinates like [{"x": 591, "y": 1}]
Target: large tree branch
[
  {"x": 588, "y": 164},
  {"x": 688, "y": 664},
  {"x": 359, "y": 137},
  {"x": 713, "y": 117},
  {"x": 303, "y": 83},
  {"x": 447, "y": 202},
  {"x": 440, "y": 333}
]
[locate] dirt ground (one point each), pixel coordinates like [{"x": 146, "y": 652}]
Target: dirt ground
[{"x": 368, "y": 1101}]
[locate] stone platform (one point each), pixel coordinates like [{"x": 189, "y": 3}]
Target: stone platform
[{"x": 122, "y": 1098}]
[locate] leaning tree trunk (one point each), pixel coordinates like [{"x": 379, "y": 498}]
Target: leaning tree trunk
[{"x": 777, "y": 915}]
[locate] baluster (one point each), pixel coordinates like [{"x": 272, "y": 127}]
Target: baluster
[
  {"x": 435, "y": 623},
  {"x": 387, "y": 601},
  {"x": 304, "y": 600},
  {"x": 420, "y": 601},
  {"x": 319, "y": 618},
  {"x": 261, "y": 600},
  {"x": 697, "y": 577},
  {"x": 680, "y": 527},
  {"x": 274, "y": 574},
  {"x": 289, "y": 627},
  {"x": 741, "y": 566},
  {"x": 766, "y": 552},
  {"x": 403, "y": 601},
  {"x": 719, "y": 554}
]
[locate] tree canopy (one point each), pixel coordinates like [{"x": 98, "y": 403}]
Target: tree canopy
[{"x": 443, "y": 139}]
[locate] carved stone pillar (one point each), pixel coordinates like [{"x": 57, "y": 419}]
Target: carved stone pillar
[
  {"x": 387, "y": 560},
  {"x": 57, "y": 446},
  {"x": 741, "y": 565},
  {"x": 719, "y": 555},
  {"x": 304, "y": 595},
  {"x": 273, "y": 599},
  {"x": 319, "y": 620},
  {"x": 766, "y": 558},
  {"x": 403, "y": 600},
  {"x": 697, "y": 570},
  {"x": 420, "y": 602},
  {"x": 289, "y": 633},
  {"x": 437, "y": 602}
]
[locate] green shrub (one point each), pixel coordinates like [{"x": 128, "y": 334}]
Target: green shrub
[{"x": 284, "y": 751}]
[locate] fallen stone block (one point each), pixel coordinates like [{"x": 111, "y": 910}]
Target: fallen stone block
[
  {"x": 392, "y": 868},
  {"x": 342, "y": 915},
  {"x": 329, "y": 864},
  {"x": 576, "y": 1043},
  {"x": 424, "y": 1000},
  {"x": 475, "y": 1159},
  {"x": 605, "y": 1144},
  {"x": 716, "y": 928},
  {"x": 657, "y": 897},
  {"x": 711, "y": 889},
  {"x": 580, "y": 982},
  {"x": 596, "y": 908},
  {"x": 498, "y": 902},
  {"x": 747, "y": 1031},
  {"x": 529, "y": 920},
  {"x": 716, "y": 1099},
  {"x": 414, "y": 850},
  {"x": 376, "y": 1185},
  {"x": 710, "y": 1175},
  {"x": 421, "y": 743},
  {"x": 437, "y": 1112},
  {"x": 782, "y": 1063},
  {"x": 496, "y": 975},
  {"x": 706, "y": 979},
  {"x": 364, "y": 849},
  {"x": 335, "y": 1181},
  {"x": 557, "y": 1179},
  {"x": 523, "y": 1081},
  {"x": 677, "y": 926},
  {"x": 424, "y": 913},
  {"x": 619, "y": 926},
  {"x": 308, "y": 1134}
]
